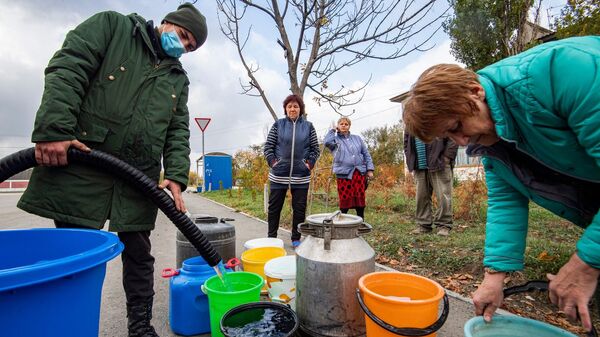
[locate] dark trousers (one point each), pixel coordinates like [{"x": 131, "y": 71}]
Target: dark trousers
[
  {"x": 360, "y": 211},
  {"x": 138, "y": 264},
  {"x": 276, "y": 200}
]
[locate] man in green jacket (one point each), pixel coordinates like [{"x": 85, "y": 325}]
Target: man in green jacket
[
  {"x": 535, "y": 119},
  {"x": 116, "y": 85}
]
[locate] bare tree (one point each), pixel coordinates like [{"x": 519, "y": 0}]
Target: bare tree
[{"x": 321, "y": 37}]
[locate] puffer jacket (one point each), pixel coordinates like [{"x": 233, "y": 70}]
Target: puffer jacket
[
  {"x": 106, "y": 88},
  {"x": 349, "y": 153},
  {"x": 289, "y": 147},
  {"x": 545, "y": 103}
]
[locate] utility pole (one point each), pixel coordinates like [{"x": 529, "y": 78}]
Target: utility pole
[{"x": 202, "y": 123}]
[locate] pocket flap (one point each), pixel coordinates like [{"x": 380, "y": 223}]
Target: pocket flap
[{"x": 91, "y": 132}]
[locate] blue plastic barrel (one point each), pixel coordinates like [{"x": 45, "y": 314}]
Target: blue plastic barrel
[
  {"x": 51, "y": 281},
  {"x": 188, "y": 305}
]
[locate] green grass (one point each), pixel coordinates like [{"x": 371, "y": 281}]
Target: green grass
[{"x": 550, "y": 242}]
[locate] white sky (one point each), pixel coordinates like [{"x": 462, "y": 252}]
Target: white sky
[{"x": 33, "y": 30}]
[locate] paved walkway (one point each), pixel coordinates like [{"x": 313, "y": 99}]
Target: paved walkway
[{"x": 113, "y": 318}]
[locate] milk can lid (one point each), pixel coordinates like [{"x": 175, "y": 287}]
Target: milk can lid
[{"x": 338, "y": 220}]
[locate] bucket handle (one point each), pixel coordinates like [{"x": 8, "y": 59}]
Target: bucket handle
[
  {"x": 413, "y": 332},
  {"x": 538, "y": 285}
]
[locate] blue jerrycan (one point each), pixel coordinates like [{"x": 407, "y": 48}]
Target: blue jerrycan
[{"x": 188, "y": 305}]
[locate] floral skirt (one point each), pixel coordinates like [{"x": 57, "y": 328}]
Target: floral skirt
[{"x": 351, "y": 192}]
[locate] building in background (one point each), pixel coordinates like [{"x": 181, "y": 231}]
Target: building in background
[{"x": 218, "y": 171}]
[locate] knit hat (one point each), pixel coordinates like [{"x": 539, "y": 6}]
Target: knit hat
[{"x": 190, "y": 18}]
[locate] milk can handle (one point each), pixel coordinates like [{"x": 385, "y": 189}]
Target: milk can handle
[
  {"x": 413, "y": 332},
  {"x": 538, "y": 285},
  {"x": 364, "y": 228},
  {"x": 327, "y": 228},
  {"x": 332, "y": 215},
  {"x": 306, "y": 229}
]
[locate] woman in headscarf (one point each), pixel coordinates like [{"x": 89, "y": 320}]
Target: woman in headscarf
[{"x": 352, "y": 165}]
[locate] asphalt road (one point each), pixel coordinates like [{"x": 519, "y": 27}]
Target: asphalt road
[{"x": 113, "y": 321}]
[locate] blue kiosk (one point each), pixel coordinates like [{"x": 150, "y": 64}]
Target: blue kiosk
[{"x": 217, "y": 171}]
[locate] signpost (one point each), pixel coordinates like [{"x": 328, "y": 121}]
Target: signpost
[{"x": 202, "y": 123}]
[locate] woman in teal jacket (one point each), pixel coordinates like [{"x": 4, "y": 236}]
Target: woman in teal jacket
[{"x": 535, "y": 119}]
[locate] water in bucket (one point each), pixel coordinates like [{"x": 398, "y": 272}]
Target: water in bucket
[
  {"x": 259, "y": 319},
  {"x": 512, "y": 326},
  {"x": 239, "y": 288},
  {"x": 220, "y": 270}
]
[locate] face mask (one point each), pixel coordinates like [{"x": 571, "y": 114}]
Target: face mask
[{"x": 171, "y": 44}]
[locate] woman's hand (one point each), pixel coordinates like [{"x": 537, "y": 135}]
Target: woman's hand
[
  {"x": 572, "y": 288},
  {"x": 488, "y": 297},
  {"x": 369, "y": 174}
]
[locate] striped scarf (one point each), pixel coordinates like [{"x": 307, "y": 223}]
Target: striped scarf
[{"x": 421, "y": 154}]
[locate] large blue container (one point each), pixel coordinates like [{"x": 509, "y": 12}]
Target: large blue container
[
  {"x": 218, "y": 171},
  {"x": 188, "y": 305},
  {"x": 51, "y": 281}
]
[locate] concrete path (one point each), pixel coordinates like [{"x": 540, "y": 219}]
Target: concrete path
[{"x": 113, "y": 317}]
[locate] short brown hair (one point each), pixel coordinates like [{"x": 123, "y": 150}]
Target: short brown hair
[
  {"x": 441, "y": 93},
  {"x": 344, "y": 118},
  {"x": 294, "y": 98}
]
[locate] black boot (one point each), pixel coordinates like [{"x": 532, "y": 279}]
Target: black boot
[{"x": 139, "y": 316}]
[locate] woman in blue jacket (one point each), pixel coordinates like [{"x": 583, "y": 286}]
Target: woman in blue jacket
[
  {"x": 535, "y": 119},
  {"x": 352, "y": 165},
  {"x": 291, "y": 150}
]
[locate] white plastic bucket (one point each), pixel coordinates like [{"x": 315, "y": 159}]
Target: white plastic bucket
[
  {"x": 281, "y": 280},
  {"x": 263, "y": 242}
]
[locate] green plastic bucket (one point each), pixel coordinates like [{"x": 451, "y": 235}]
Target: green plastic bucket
[
  {"x": 240, "y": 288},
  {"x": 512, "y": 326}
]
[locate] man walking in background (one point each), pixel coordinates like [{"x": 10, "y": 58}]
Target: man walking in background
[{"x": 432, "y": 166}]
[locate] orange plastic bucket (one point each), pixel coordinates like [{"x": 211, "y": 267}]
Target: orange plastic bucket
[
  {"x": 401, "y": 304},
  {"x": 253, "y": 260}
]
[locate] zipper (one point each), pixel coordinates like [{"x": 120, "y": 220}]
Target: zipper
[{"x": 293, "y": 148}]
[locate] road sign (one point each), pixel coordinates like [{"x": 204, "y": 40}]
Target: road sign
[{"x": 202, "y": 122}]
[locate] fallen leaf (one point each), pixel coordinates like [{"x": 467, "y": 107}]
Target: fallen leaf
[{"x": 544, "y": 256}]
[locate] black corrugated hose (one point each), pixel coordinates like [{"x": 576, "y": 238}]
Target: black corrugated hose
[{"x": 24, "y": 159}]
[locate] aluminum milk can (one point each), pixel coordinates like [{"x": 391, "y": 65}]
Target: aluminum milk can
[{"x": 330, "y": 261}]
